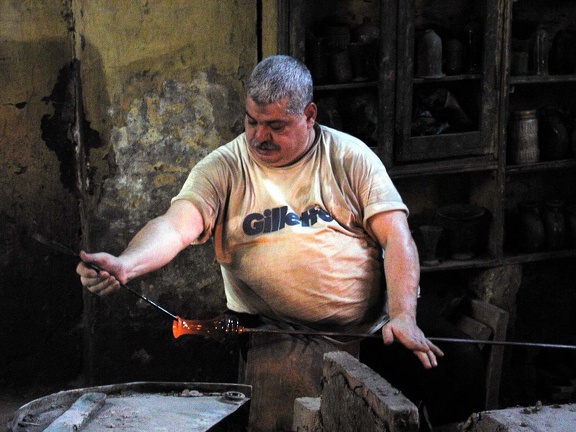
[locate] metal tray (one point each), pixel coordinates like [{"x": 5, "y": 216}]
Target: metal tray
[{"x": 139, "y": 406}]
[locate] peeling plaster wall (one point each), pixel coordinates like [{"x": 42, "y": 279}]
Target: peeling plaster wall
[
  {"x": 105, "y": 107},
  {"x": 41, "y": 301},
  {"x": 163, "y": 89}
]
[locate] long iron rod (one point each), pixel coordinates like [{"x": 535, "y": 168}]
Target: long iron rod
[
  {"x": 433, "y": 339},
  {"x": 67, "y": 251},
  {"x": 136, "y": 293}
]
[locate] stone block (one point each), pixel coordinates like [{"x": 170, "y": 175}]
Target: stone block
[
  {"x": 307, "y": 415},
  {"x": 355, "y": 398},
  {"x": 553, "y": 418}
]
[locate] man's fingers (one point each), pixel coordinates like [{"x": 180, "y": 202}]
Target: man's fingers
[
  {"x": 435, "y": 349},
  {"x": 102, "y": 284},
  {"x": 387, "y": 334},
  {"x": 427, "y": 358},
  {"x": 108, "y": 289},
  {"x": 424, "y": 359}
]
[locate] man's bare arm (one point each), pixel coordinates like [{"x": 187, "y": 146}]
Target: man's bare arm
[
  {"x": 154, "y": 246},
  {"x": 402, "y": 269}
]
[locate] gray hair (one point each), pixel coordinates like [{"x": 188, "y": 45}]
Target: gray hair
[{"x": 279, "y": 76}]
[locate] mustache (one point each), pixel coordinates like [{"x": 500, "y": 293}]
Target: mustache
[{"x": 264, "y": 145}]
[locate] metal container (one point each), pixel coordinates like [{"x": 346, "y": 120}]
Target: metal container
[
  {"x": 523, "y": 138},
  {"x": 138, "y": 406},
  {"x": 465, "y": 228}
]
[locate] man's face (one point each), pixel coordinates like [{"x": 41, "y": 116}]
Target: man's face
[{"x": 275, "y": 137}]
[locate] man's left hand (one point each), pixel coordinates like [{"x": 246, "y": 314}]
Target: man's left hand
[{"x": 403, "y": 328}]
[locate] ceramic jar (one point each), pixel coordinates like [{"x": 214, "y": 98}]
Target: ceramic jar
[
  {"x": 340, "y": 67},
  {"x": 541, "y": 51},
  {"x": 473, "y": 46},
  {"x": 530, "y": 234},
  {"x": 317, "y": 60},
  {"x": 454, "y": 53},
  {"x": 523, "y": 138},
  {"x": 571, "y": 225},
  {"x": 463, "y": 225},
  {"x": 520, "y": 63},
  {"x": 358, "y": 51},
  {"x": 366, "y": 32},
  {"x": 555, "y": 224},
  {"x": 429, "y": 55},
  {"x": 430, "y": 235},
  {"x": 553, "y": 136}
]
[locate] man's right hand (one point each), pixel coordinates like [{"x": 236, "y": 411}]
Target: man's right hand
[
  {"x": 154, "y": 246},
  {"x": 104, "y": 281}
]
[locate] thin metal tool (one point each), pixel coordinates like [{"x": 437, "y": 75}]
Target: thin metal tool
[
  {"x": 433, "y": 339},
  {"x": 59, "y": 247},
  {"x": 230, "y": 324}
]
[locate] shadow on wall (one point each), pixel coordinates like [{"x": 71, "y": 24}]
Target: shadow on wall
[
  {"x": 94, "y": 182},
  {"x": 41, "y": 307}
]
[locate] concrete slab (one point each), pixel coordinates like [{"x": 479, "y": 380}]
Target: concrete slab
[{"x": 553, "y": 418}]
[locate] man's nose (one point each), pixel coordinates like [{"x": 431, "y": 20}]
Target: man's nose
[{"x": 262, "y": 134}]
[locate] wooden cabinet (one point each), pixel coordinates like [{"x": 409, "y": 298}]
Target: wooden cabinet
[
  {"x": 444, "y": 138},
  {"x": 540, "y": 76},
  {"x": 340, "y": 43},
  {"x": 449, "y": 110}
]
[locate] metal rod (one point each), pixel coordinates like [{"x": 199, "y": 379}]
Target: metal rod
[
  {"x": 66, "y": 250},
  {"x": 146, "y": 299},
  {"x": 59, "y": 247},
  {"x": 505, "y": 343},
  {"x": 433, "y": 339}
]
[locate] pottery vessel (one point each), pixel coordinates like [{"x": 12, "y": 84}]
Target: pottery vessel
[
  {"x": 530, "y": 233},
  {"x": 430, "y": 55},
  {"x": 523, "y": 138},
  {"x": 463, "y": 224},
  {"x": 555, "y": 224}
]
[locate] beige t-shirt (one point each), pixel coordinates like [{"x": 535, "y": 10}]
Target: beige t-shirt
[{"x": 293, "y": 242}]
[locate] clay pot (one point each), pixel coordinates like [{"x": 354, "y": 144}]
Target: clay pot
[
  {"x": 555, "y": 224},
  {"x": 365, "y": 32},
  {"x": 316, "y": 59},
  {"x": 473, "y": 46},
  {"x": 340, "y": 67},
  {"x": 571, "y": 225},
  {"x": 430, "y": 235},
  {"x": 430, "y": 55},
  {"x": 463, "y": 225},
  {"x": 541, "y": 51},
  {"x": 523, "y": 145},
  {"x": 454, "y": 55},
  {"x": 554, "y": 140},
  {"x": 530, "y": 229}
]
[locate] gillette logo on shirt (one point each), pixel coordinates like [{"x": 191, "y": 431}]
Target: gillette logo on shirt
[{"x": 275, "y": 219}]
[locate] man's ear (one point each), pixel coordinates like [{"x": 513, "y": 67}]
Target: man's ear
[{"x": 310, "y": 112}]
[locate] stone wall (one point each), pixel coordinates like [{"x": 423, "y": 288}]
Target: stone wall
[
  {"x": 354, "y": 398},
  {"x": 41, "y": 300},
  {"x": 105, "y": 107}
]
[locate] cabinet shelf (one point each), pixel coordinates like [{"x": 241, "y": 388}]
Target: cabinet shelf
[
  {"x": 448, "y": 78},
  {"x": 541, "y": 166},
  {"x": 479, "y": 262},
  {"x": 539, "y": 256},
  {"x": 542, "y": 79},
  {"x": 467, "y": 165},
  {"x": 509, "y": 258},
  {"x": 443, "y": 146},
  {"x": 346, "y": 86},
  {"x": 473, "y": 164}
]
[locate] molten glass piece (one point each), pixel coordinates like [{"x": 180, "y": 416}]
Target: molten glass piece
[{"x": 215, "y": 328}]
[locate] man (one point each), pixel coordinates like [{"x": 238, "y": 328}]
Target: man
[{"x": 300, "y": 215}]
